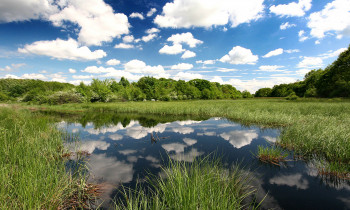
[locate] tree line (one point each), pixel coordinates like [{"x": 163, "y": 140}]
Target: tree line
[{"x": 333, "y": 81}]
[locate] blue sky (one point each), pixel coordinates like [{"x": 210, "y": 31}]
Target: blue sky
[{"x": 249, "y": 44}]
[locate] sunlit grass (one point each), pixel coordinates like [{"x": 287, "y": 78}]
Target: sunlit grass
[
  {"x": 203, "y": 184},
  {"x": 274, "y": 155},
  {"x": 32, "y": 169}
]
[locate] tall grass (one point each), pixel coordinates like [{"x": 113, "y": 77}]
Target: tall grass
[
  {"x": 203, "y": 184},
  {"x": 273, "y": 155},
  {"x": 32, "y": 172}
]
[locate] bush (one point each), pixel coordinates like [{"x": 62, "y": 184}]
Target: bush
[
  {"x": 65, "y": 97},
  {"x": 292, "y": 97},
  {"x": 3, "y": 97}
]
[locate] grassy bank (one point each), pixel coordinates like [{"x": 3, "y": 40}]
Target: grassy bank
[
  {"x": 32, "y": 171},
  {"x": 312, "y": 127},
  {"x": 203, "y": 184}
]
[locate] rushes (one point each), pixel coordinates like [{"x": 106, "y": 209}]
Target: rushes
[
  {"x": 274, "y": 155},
  {"x": 203, "y": 184}
]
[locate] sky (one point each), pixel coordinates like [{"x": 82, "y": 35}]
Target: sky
[{"x": 249, "y": 44}]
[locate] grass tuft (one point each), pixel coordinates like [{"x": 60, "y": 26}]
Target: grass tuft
[
  {"x": 203, "y": 184},
  {"x": 273, "y": 155}
]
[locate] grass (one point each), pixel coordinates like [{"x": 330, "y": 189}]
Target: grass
[
  {"x": 274, "y": 155},
  {"x": 204, "y": 184},
  {"x": 32, "y": 170},
  {"x": 311, "y": 127}
]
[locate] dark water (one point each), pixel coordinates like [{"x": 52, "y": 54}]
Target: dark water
[{"x": 122, "y": 151}]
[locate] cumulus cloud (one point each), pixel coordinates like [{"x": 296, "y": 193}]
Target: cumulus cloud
[
  {"x": 96, "y": 19},
  {"x": 113, "y": 62},
  {"x": 217, "y": 79},
  {"x": 171, "y": 50},
  {"x": 72, "y": 71},
  {"x": 21, "y": 10},
  {"x": 334, "y": 17},
  {"x": 186, "y": 38},
  {"x": 206, "y": 62},
  {"x": 152, "y": 30},
  {"x": 149, "y": 37},
  {"x": 124, "y": 46},
  {"x": 292, "y": 9},
  {"x": 239, "y": 138},
  {"x": 302, "y": 36},
  {"x": 292, "y": 51},
  {"x": 240, "y": 55},
  {"x": 182, "y": 66},
  {"x": 207, "y": 13},
  {"x": 136, "y": 15},
  {"x": 286, "y": 25},
  {"x": 310, "y": 62},
  {"x": 33, "y": 76},
  {"x": 272, "y": 68},
  {"x": 332, "y": 53},
  {"x": 151, "y": 12},
  {"x": 275, "y": 52},
  {"x": 188, "y": 54},
  {"x": 137, "y": 66},
  {"x": 128, "y": 39},
  {"x": 187, "y": 76},
  {"x": 111, "y": 72},
  {"x": 62, "y": 49},
  {"x": 12, "y": 67}
]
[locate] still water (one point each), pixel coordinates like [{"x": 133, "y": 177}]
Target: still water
[{"x": 124, "y": 148}]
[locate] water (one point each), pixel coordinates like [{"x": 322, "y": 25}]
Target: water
[{"x": 125, "y": 148}]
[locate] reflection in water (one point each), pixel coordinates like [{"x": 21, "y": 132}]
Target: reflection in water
[{"x": 122, "y": 152}]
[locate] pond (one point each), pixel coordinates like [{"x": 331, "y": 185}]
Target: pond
[{"x": 124, "y": 148}]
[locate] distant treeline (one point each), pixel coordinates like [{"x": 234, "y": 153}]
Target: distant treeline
[
  {"x": 108, "y": 90},
  {"x": 333, "y": 81}
]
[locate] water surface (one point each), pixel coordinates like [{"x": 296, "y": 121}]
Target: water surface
[{"x": 124, "y": 148}]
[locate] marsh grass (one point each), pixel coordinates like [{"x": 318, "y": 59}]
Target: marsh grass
[
  {"x": 310, "y": 126},
  {"x": 32, "y": 171},
  {"x": 203, "y": 184},
  {"x": 273, "y": 155}
]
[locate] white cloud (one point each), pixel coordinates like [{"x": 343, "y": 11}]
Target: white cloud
[
  {"x": 240, "y": 55},
  {"x": 182, "y": 66},
  {"x": 136, "y": 15},
  {"x": 302, "y": 36},
  {"x": 275, "y": 52},
  {"x": 128, "y": 39},
  {"x": 292, "y": 9},
  {"x": 72, "y": 71},
  {"x": 239, "y": 138},
  {"x": 113, "y": 62},
  {"x": 33, "y": 76},
  {"x": 115, "y": 137},
  {"x": 273, "y": 68},
  {"x": 97, "y": 70},
  {"x": 310, "y": 62},
  {"x": 124, "y": 46},
  {"x": 189, "y": 141},
  {"x": 206, "y": 62},
  {"x": 332, "y": 53},
  {"x": 12, "y": 67},
  {"x": 334, "y": 17},
  {"x": 302, "y": 72},
  {"x": 294, "y": 180},
  {"x": 149, "y": 37},
  {"x": 11, "y": 76},
  {"x": 187, "y": 76},
  {"x": 171, "y": 50},
  {"x": 217, "y": 79},
  {"x": 62, "y": 49},
  {"x": 152, "y": 30},
  {"x": 186, "y": 38},
  {"x": 317, "y": 42},
  {"x": 151, "y": 12},
  {"x": 292, "y": 51},
  {"x": 82, "y": 77},
  {"x": 137, "y": 66},
  {"x": 96, "y": 19},
  {"x": 21, "y": 10},
  {"x": 226, "y": 70},
  {"x": 286, "y": 25},
  {"x": 188, "y": 54},
  {"x": 207, "y": 13}
]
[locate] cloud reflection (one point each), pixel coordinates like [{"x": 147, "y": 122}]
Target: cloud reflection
[
  {"x": 240, "y": 138},
  {"x": 295, "y": 180}
]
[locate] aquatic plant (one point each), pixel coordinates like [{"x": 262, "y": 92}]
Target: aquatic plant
[
  {"x": 274, "y": 155},
  {"x": 203, "y": 184}
]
